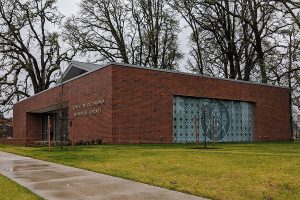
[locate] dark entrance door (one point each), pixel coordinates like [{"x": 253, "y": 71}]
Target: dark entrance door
[{"x": 59, "y": 125}]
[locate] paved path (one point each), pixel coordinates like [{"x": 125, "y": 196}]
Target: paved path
[{"x": 54, "y": 181}]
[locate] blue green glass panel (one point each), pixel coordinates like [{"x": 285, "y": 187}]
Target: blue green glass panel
[{"x": 225, "y": 121}]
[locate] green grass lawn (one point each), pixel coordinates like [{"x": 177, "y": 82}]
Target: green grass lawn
[
  {"x": 232, "y": 171},
  {"x": 10, "y": 190}
]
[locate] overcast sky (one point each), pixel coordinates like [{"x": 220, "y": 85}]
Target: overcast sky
[{"x": 69, "y": 7}]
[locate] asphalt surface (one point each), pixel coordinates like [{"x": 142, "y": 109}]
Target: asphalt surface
[{"x": 54, "y": 181}]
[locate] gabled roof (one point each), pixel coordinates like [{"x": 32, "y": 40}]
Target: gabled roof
[{"x": 77, "y": 68}]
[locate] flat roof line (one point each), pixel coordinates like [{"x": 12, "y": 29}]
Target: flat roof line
[
  {"x": 153, "y": 69},
  {"x": 191, "y": 74}
]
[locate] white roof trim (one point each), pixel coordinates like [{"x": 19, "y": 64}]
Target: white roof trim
[{"x": 80, "y": 65}]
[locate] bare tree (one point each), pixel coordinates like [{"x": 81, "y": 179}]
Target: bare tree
[
  {"x": 239, "y": 34},
  {"x": 157, "y": 29},
  {"x": 100, "y": 27},
  {"x": 254, "y": 40},
  {"x": 140, "y": 32},
  {"x": 30, "y": 54},
  {"x": 287, "y": 71},
  {"x": 220, "y": 39},
  {"x": 290, "y": 7},
  {"x": 186, "y": 10}
]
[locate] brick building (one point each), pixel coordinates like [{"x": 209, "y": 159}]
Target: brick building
[{"x": 130, "y": 104}]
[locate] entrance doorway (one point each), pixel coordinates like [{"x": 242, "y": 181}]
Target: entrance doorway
[{"x": 58, "y": 125}]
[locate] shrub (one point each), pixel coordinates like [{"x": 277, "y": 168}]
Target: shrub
[{"x": 99, "y": 141}]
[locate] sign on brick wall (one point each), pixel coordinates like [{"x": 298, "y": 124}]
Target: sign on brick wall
[{"x": 88, "y": 108}]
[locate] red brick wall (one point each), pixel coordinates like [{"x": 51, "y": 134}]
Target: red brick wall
[
  {"x": 88, "y": 88},
  {"x": 138, "y": 105},
  {"x": 142, "y": 104},
  {"x": 91, "y": 87}
]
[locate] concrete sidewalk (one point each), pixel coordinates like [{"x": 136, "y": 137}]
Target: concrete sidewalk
[{"x": 54, "y": 181}]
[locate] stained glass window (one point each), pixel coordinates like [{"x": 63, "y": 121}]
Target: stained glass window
[{"x": 225, "y": 121}]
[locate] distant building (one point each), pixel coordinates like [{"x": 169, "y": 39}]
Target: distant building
[{"x": 121, "y": 103}]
